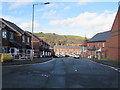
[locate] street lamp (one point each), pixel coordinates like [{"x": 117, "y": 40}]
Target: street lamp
[{"x": 33, "y": 23}]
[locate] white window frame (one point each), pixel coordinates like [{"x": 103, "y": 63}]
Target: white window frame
[
  {"x": 4, "y": 34},
  {"x": 103, "y": 45}
]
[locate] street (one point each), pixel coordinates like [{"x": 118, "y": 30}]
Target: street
[{"x": 60, "y": 73}]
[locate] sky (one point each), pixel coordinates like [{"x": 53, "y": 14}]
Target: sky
[{"x": 81, "y": 17}]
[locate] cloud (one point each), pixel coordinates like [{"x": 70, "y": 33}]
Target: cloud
[
  {"x": 28, "y": 25},
  {"x": 12, "y": 19},
  {"x": 0, "y": 6},
  {"x": 0, "y": 9},
  {"x": 87, "y": 21},
  {"x": 82, "y": 2},
  {"x": 49, "y": 14},
  {"x": 18, "y": 3},
  {"x": 67, "y": 8},
  {"x": 21, "y": 22}
]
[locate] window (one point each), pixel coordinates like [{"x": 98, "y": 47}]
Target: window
[
  {"x": 103, "y": 44},
  {"x": 28, "y": 39},
  {"x": 23, "y": 38},
  {"x": 11, "y": 35},
  {"x": 4, "y": 34},
  {"x": 4, "y": 50}
]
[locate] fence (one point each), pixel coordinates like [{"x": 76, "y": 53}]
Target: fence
[{"x": 22, "y": 56}]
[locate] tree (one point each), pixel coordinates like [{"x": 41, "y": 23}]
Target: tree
[
  {"x": 58, "y": 42},
  {"x": 54, "y": 34},
  {"x": 41, "y": 32}
]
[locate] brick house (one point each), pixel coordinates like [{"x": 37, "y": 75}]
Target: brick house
[
  {"x": 41, "y": 48},
  {"x": 97, "y": 46},
  {"x": 0, "y": 40},
  {"x": 51, "y": 48},
  {"x": 14, "y": 39},
  {"x": 114, "y": 40},
  {"x": 84, "y": 48},
  {"x": 68, "y": 49}
]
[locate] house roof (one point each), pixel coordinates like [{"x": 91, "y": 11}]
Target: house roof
[
  {"x": 33, "y": 35},
  {"x": 100, "y": 37},
  {"x": 13, "y": 25},
  {"x": 68, "y": 47},
  {"x": 15, "y": 44},
  {"x": 116, "y": 20}
]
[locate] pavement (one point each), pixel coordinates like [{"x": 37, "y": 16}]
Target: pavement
[
  {"x": 109, "y": 63},
  {"x": 20, "y": 62},
  {"x": 60, "y": 73}
]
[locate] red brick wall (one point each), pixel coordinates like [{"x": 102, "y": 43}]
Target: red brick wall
[
  {"x": 5, "y": 42},
  {"x": 66, "y": 50},
  {"x": 36, "y": 46},
  {"x": 104, "y": 49},
  {"x": 69, "y": 50},
  {"x": 114, "y": 45}
]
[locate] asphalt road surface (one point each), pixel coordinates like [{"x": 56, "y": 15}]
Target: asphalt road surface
[{"x": 60, "y": 73}]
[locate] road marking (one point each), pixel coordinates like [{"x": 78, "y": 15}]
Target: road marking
[
  {"x": 75, "y": 70},
  {"x": 47, "y": 61},
  {"x": 116, "y": 69}
]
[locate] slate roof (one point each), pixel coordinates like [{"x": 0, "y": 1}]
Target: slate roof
[
  {"x": 33, "y": 35},
  {"x": 13, "y": 25},
  {"x": 68, "y": 47},
  {"x": 100, "y": 37},
  {"x": 15, "y": 44}
]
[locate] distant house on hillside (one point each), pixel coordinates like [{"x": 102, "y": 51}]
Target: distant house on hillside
[
  {"x": 68, "y": 49},
  {"x": 97, "y": 45}
]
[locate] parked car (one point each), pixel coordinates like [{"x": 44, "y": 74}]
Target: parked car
[
  {"x": 60, "y": 56},
  {"x": 71, "y": 55},
  {"x": 66, "y": 55},
  {"x": 55, "y": 56},
  {"x": 76, "y": 56}
]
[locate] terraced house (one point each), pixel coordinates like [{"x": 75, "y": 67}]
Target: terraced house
[
  {"x": 0, "y": 40},
  {"x": 68, "y": 49},
  {"x": 41, "y": 48},
  {"x": 14, "y": 39},
  {"x": 18, "y": 42}
]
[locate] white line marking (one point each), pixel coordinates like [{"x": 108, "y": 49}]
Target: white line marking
[{"x": 116, "y": 69}]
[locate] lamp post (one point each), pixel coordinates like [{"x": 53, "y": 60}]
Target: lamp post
[{"x": 33, "y": 23}]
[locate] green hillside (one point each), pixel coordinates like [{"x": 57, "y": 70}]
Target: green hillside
[{"x": 60, "y": 39}]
